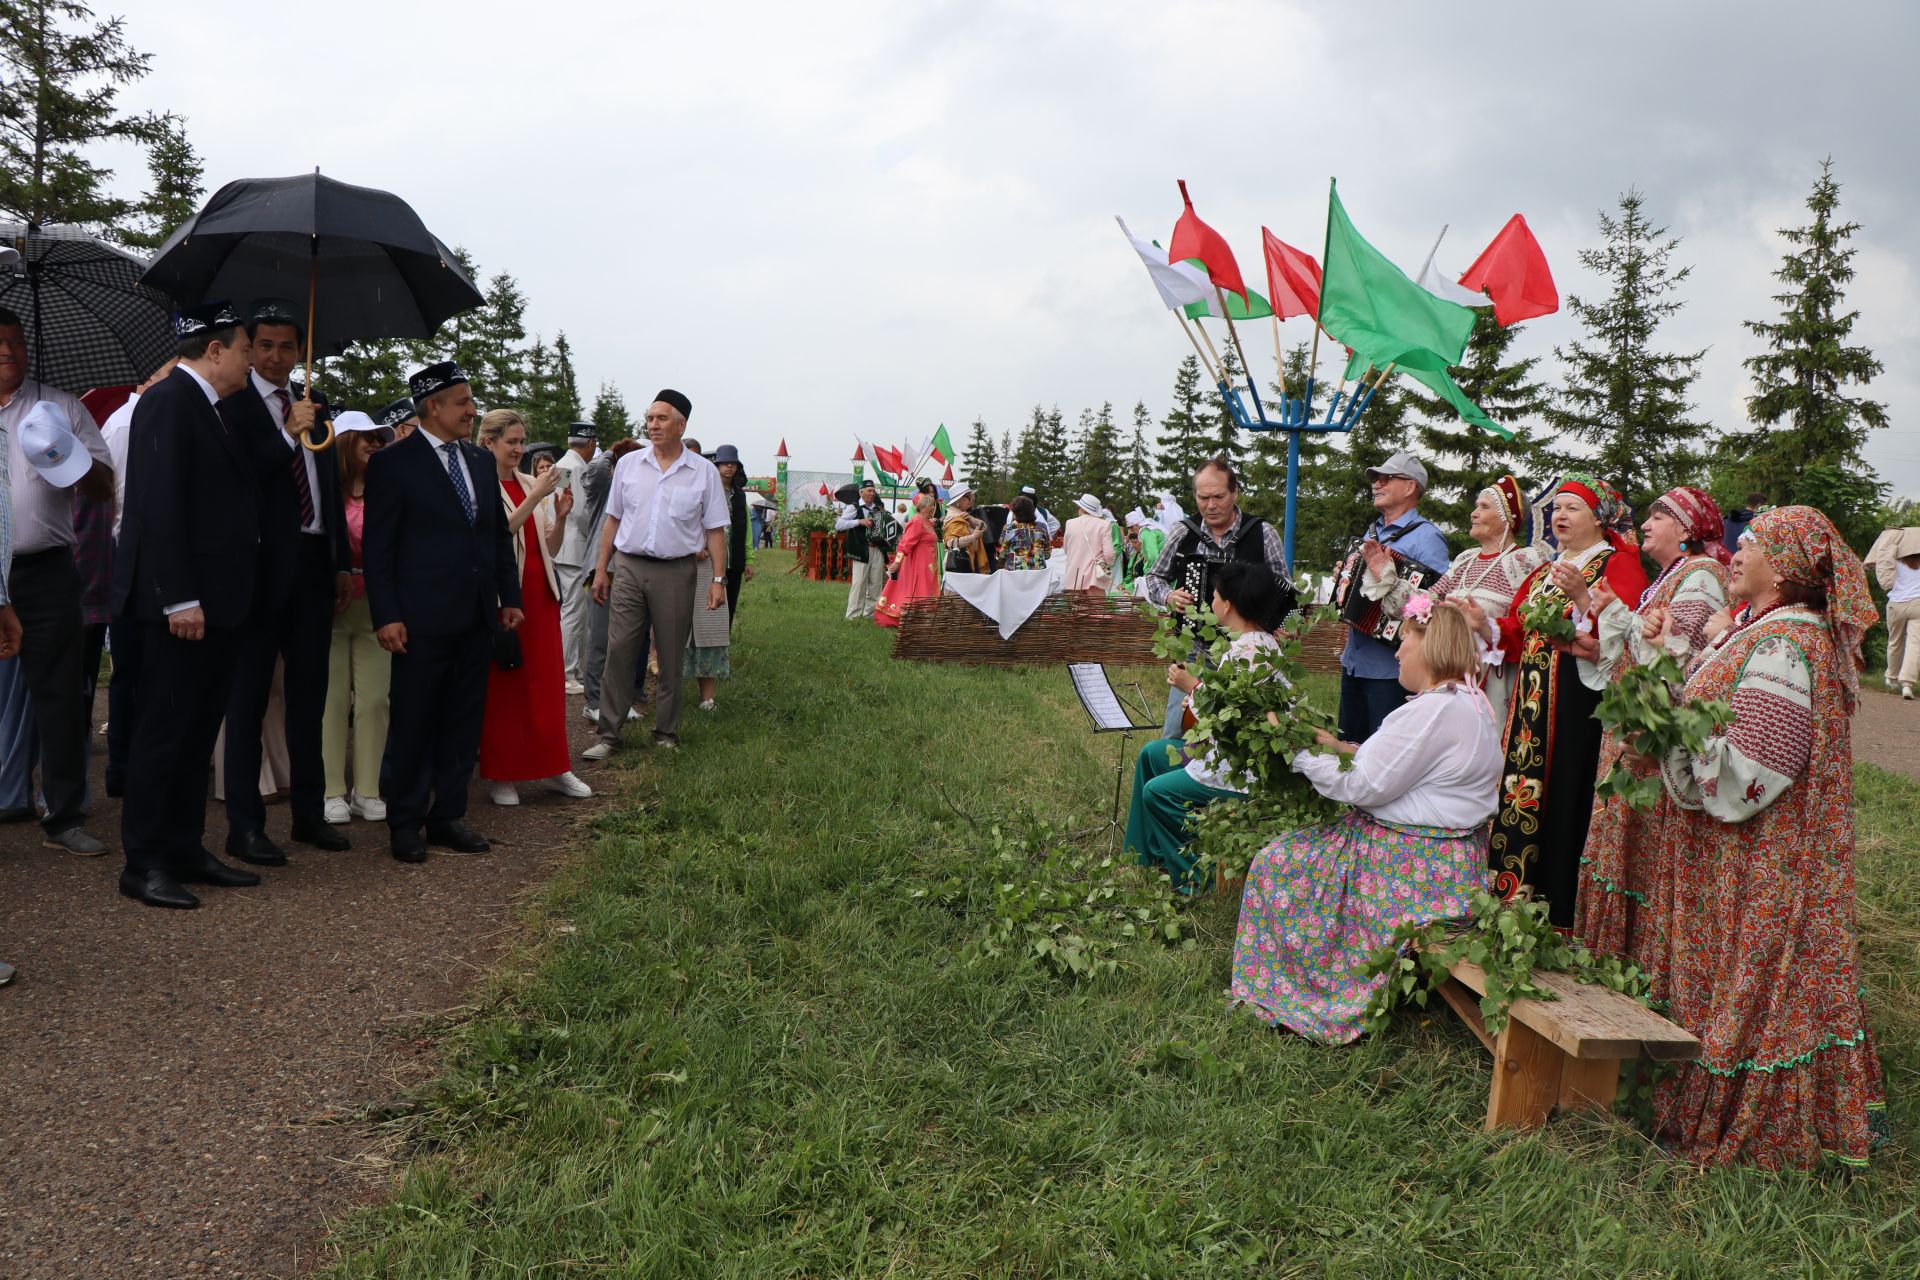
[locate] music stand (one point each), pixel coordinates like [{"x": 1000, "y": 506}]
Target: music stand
[{"x": 1110, "y": 714}]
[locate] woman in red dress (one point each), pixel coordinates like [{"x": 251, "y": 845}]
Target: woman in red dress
[
  {"x": 525, "y": 733},
  {"x": 910, "y": 572}
]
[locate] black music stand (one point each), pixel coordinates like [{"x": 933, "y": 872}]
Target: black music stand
[{"x": 1110, "y": 714}]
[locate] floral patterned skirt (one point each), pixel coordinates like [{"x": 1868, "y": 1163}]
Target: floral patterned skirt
[{"x": 1320, "y": 901}]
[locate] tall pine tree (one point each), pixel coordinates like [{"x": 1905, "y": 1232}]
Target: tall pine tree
[
  {"x": 1028, "y": 466},
  {"x": 610, "y": 417},
  {"x": 1624, "y": 399},
  {"x": 1461, "y": 460},
  {"x": 1183, "y": 433},
  {"x": 1102, "y": 465},
  {"x": 566, "y": 383},
  {"x": 1137, "y": 472},
  {"x": 174, "y": 175},
  {"x": 980, "y": 463},
  {"x": 60, "y": 79},
  {"x": 1808, "y": 434},
  {"x": 1224, "y": 437},
  {"x": 1057, "y": 464}
]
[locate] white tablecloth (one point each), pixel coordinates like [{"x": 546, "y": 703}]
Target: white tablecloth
[{"x": 1008, "y": 597}]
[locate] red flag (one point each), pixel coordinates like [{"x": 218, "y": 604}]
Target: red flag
[
  {"x": 825, "y": 492},
  {"x": 1514, "y": 271},
  {"x": 1293, "y": 278},
  {"x": 949, "y": 476},
  {"x": 889, "y": 460},
  {"x": 1193, "y": 238}
]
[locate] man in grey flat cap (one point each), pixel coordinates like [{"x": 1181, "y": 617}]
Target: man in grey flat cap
[{"x": 1369, "y": 672}]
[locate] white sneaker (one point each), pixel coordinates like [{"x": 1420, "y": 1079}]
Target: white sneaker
[
  {"x": 707, "y": 704},
  {"x": 503, "y": 793},
  {"x": 590, "y": 714},
  {"x": 1906, "y": 691},
  {"x": 598, "y": 751},
  {"x": 567, "y": 785},
  {"x": 574, "y": 686},
  {"x": 632, "y": 714},
  {"x": 334, "y": 810},
  {"x": 368, "y": 808}
]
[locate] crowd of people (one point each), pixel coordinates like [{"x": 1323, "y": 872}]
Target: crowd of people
[
  {"x": 361, "y": 626},
  {"x": 1472, "y": 752}
]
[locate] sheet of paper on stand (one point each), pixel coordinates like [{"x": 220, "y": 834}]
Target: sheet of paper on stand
[{"x": 1009, "y": 597}]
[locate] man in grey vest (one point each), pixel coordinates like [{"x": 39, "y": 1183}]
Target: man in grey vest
[{"x": 575, "y": 555}]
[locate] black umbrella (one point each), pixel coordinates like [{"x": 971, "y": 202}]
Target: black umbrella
[
  {"x": 358, "y": 260},
  {"x": 89, "y": 321}
]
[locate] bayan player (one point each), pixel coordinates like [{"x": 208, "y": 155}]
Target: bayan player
[{"x": 1369, "y": 672}]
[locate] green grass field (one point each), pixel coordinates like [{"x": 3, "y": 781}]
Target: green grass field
[{"x": 736, "y": 1043}]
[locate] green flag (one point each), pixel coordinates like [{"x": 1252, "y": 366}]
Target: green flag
[
  {"x": 942, "y": 448},
  {"x": 1254, "y": 307},
  {"x": 1371, "y": 305},
  {"x": 1442, "y": 385}
]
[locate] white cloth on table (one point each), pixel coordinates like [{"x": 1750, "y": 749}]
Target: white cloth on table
[
  {"x": 1434, "y": 762},
  {"x": 1008, "y": 597}
]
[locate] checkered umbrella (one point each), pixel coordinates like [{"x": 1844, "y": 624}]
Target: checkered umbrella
[{"x": 89, "y": 321}]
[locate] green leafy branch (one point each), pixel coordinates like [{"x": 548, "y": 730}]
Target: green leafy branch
[
  {"x": 1644, "y": 708},
  {"x": 1547, "y": 614}
]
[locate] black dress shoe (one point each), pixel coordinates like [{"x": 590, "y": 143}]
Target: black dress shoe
[
  {"x": 210, "y": 870},
  {"x": 456, "y": 836},
  {"x": 115, "y": 789},
  {"x": 321, "y": 836},
  {"x": 156, "y": 889},
  {"x": 409, "y": 847},
  {"x": 254, "y": 847}
]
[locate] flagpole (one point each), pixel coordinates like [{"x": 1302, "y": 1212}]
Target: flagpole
[
  {"x": 1436, "y": 246},
  {"x": 1279, "y": 363},
  {"x": 1234, "y": 334},
  {"x": 1188, "y": 329},
  {"x": 1219, "y": 365},
  {"x": 1384, "y": 373}
]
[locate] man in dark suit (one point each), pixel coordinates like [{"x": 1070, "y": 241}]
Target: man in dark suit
[
  {"x": 440, "y": 571},
  {"x": 184, "y": 572},
  {"x": 305, "y": 577}
]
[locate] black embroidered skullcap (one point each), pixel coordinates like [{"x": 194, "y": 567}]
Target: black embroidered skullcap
[
  {"x": 272, "y": 311},
  {"x": 191, "y": 322},
  {"x": 396, "y": 413},
  {"x": 583, "y": 431},
  {"x": 435, "y": 377}
]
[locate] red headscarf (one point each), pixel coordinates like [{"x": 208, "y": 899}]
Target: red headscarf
[
  {"x": 1805, "y": 549},
  {"x": 1699, "y": 516},
  {"x": 1604, "y": 501}
]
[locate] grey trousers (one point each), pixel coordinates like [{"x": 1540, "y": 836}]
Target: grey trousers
[
  {"x": 869, "y": 580},
  {"x": 574, "y": 590},
  {"x": 646, "y": 593}
]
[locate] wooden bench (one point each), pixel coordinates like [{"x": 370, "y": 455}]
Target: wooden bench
[{"x": 1563, "y": 1053}]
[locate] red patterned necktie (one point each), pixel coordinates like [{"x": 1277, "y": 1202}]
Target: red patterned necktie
[{"x": 298, "y": 462}]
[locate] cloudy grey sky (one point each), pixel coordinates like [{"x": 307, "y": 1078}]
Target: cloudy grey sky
[{"x": 874, "y": 217}]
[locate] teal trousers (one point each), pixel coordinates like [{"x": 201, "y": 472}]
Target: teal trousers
[{"x": 1165, "y": 796}]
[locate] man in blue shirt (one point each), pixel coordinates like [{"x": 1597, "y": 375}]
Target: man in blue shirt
[{"x": 1369, "y": 673}]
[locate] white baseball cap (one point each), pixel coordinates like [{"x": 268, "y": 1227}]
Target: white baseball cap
[{"x": 50, "y": 445}]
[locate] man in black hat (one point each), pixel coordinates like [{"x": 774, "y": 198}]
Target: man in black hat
[
  {"x": 665, "y": 506},
  {"x": 306, "y": 576},
  {"x": 400, "y": 418},
  {"x": 440, "y": 571},
  {"x": 185, "y": 573},
  {"x": 864, "y": 521},
  {"x": 571, "y": 561}
]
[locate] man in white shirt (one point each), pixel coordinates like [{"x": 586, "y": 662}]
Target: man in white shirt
[
  {"x": 575, "y": 554},
  {"x": 44, "y": 588},
  {"x": 864, "y": 521},
  {"x": 665, "y": 505}
]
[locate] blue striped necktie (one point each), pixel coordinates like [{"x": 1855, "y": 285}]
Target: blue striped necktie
[{"x": 457, "y": 468}]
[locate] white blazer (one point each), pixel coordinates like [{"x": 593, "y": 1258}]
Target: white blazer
[{"x": 542, "y": 523}]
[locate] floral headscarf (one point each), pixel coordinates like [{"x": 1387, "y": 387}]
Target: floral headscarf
[
  {"x": 1603, "y": 499},
  {"x": 1805, "y": 549},
  {"x": 1699, "y": 515}
]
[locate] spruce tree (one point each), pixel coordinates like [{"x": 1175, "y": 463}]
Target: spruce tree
[
  {"x": 1102, "y": 465},
  {"x": 174, "y": 173},
  {"x": 1224, "y": 437},
  {"x": 1624, "y": 399},
  {"x": 496, "y": 359},
  {"x": 1137, "y": 473},
  {"x": 1807, "y": 437},
  {"x": 980, "y": 462},
  {"x": 368, "y": 376},
  {"x": 1057, "y": 464},
  {"x": 542, "y": 409},
  {"x": 610, "y": 417},
  {"x": 1183, "y": 434},
  {"x": 566, "y": 384},
  {"x": 60, "y": 78},
  {"x": 1028, "y": 466},
  {"x": 1462, "y": 460}
]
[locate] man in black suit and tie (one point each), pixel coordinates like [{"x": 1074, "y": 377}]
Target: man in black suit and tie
[
  {"x": 184, "y": 572},
  {"x": 440, "y": 573},
  {"x": 305, "y": 577}
]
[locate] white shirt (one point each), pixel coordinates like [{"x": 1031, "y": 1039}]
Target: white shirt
[
  {"x": 267, "y": 392},
  {"x": 43, "y": 514},
  {"x": 1208, "y": 769},
  {"x": 1906, "y": 584},
  {"x": 573, "y": 543},
  {"x": 118, "y": 433},
  {"x": 1434, "y": 762},
  {"x": 665, "y": 515}
]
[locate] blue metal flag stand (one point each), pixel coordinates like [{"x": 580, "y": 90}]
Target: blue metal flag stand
[{"x": 1293, "y": 421}]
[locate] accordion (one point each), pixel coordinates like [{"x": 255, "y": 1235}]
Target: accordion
[
  {"x": 1364, "y": 615},
  {"x": 1194, "y": 575}
]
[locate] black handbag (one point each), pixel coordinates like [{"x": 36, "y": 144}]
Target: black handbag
[
  {"x": 958, "y": 561},
  {"x": 506, "y": 649}
]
